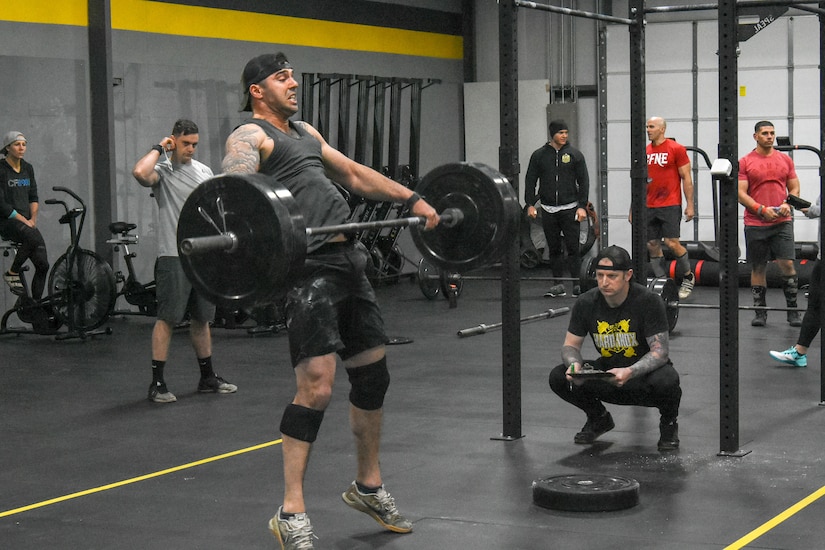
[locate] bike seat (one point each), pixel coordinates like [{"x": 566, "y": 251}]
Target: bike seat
[{"x": 121, "y": 227}]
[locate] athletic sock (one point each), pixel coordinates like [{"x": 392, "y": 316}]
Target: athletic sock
[
  {"x": 205, "y": 365},
  {"x": 364, "y": 490},
  {"x": 157, "y": 372}
]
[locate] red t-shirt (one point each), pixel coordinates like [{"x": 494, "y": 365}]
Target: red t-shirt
[
  {"x": 767, "y": 178},
  {"x": 664, "y": 185}
]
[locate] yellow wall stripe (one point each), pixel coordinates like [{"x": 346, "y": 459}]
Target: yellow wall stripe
[
  {"x": 48, "y": 12},
  {"x": 179, "y": 20}
]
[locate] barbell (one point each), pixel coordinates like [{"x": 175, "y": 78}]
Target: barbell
[
  {"x": 243, "y": 241},
  {"x": 667, "y": 289}
]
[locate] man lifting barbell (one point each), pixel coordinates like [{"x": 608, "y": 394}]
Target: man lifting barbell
[{"x": 330, "y": 306}]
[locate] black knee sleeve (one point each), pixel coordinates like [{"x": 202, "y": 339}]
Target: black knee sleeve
[
  {"x": 301, "y": 423},
  {"x": 369, "y": 385},
  {"x": 790, "y": 287}
]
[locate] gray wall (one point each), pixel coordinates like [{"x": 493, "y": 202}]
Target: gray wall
[{"x": 158, "y": 78}]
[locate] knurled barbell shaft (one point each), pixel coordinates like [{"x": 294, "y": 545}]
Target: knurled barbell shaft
[
  {"x": 746, "y": 308},
  {"x": 449, "y": 218},
  {"x": 228, "y": 241}
]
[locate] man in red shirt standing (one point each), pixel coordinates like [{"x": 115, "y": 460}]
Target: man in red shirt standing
[
  {"x": 766, "y": 178},
  {"x": 668, "y": 176}
]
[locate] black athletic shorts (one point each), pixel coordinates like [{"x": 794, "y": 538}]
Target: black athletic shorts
[
  {"x": 769, "y": 242},
  {"x": 664, "y": 222},
  {"x": 332, "y": 308}
]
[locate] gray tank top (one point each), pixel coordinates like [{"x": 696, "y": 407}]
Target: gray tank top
[{"x": 296, "y": 164}]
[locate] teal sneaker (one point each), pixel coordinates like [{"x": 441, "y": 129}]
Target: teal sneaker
[{"x": 790, "y": 357}]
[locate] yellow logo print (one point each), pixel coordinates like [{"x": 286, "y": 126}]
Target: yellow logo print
[
  {"x": 565, "y": 158},
  {"x": 615, "y": 338}
]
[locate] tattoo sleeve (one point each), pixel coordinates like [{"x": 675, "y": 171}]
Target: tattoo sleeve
[
  {"x": 242, "y": 152},
  {"x": 655, "y": 358},
  {"x": 570, "y": 355}
]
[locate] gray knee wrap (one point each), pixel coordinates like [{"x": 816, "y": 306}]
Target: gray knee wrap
[
  {"x": 790, "y": 287},
  {"x": 301, "y": 423},
  {"x": 369, "y": 385},
  {"x": 657, "y": 265},
  {"x": 682, "y": 265}
]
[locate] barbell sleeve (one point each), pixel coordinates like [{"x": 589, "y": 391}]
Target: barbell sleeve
[
  {"x": 226, "y": 242},
  {"x": 450, "y": 217}
]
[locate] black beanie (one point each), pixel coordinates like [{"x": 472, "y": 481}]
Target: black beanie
[{"x": 557, "y": 126}]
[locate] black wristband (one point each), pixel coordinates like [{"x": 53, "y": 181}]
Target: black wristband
[
  {"x": 158, "y": 148},
  {"x": 414, "y": 198}
]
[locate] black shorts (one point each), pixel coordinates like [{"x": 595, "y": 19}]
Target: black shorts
[
  {"x": 769, "y": 242},
  {"x": 664, "y": 222},
  {"x": 332, "y": 307}
]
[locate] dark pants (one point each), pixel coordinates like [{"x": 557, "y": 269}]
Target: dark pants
[
  {"x": 811, "y": 319},
  {"x": 659, "y": 389},
  {"x": 32, "y": 247},
  {"x": 561, "y": 228}
]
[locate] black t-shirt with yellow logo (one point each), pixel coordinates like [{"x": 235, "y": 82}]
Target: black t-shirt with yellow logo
[{"x": 619, "y": 334}]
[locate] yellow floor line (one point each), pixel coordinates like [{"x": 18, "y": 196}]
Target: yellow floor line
[
  {"x": 139, "y": 478},
  {"x": 765, "y": 527}
]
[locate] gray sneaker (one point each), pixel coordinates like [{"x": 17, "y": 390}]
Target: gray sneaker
[
  {"x": 294, "y": 533},
  {"x": 159, "y": 394},
  {"x": 380, "y": 505},
  {"x": 556, "y": 291}
]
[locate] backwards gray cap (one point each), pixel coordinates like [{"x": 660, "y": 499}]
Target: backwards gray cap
[{"x": 11, "y": 137}]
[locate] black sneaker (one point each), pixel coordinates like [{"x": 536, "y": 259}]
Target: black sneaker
[
  {"x": 593, "y": 428},
  {"x": 216, "y": 384},
  {"x": 668, "y": 435},
  {"x": 577, "y": 290},
  {"x": 760, "y": 319}
]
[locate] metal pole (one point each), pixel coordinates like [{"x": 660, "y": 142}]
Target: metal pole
[
  {"x": 638, "y": 161},
  {"x": 509, "y": 167},
  {"x": 728, "y": 239},
  {"x": 821, "y": 192}
]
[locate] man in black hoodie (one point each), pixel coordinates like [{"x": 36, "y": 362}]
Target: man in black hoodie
[{"x": 563, "y": 189}]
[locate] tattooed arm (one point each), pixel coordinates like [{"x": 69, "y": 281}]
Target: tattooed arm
[
  {"x": 245, "y": 148},
  {"x": 653, "y": 359}
]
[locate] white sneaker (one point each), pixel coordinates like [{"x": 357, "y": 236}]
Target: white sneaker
[{"x": 687, "y": 286}]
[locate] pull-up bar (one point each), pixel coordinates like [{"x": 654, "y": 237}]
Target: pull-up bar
[
  {"x": 798, "y": 4},
  {"x": 575, "y": 13}
]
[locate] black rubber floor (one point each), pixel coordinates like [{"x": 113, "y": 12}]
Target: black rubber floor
[{"x": 87, "y": 462}]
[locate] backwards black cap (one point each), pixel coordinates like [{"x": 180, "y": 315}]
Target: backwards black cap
[
  {"x": 257, "y": 69},
  {"x": 617, "y": 255}
]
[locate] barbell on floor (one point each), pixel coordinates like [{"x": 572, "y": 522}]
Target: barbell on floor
[
  {"x": 483, "y": 329},
  {"x": 667, "y": 289},
  {"x": 242, "y": 239}
]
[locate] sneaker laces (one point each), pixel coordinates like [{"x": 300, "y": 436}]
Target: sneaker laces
[
  {"x": 300, "y": 532},
  {"x": 386, "y": 502}
]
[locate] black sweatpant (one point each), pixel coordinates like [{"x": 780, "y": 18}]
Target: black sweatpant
[{"x": 659, "y": 389}]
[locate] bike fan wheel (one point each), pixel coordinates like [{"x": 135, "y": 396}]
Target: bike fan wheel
[{"x": 85, "y": 297}]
